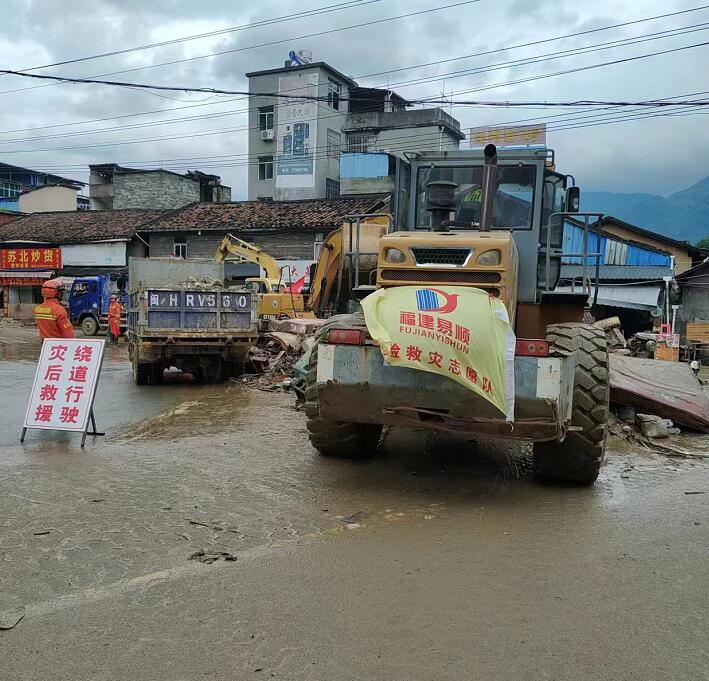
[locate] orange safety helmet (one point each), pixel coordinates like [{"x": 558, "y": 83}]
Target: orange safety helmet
[{"x": 53, "y": 288}]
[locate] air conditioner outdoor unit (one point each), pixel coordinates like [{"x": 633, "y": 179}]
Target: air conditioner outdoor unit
[{"x": 267, "y": 135}]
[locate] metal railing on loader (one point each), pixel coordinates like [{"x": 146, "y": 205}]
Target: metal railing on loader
[{"x": 552, "y": 252}]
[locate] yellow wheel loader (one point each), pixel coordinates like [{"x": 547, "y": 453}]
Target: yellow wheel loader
[{"x": 491, "y": 221}]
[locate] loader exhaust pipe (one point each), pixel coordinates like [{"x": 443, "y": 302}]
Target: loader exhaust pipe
[{"x": 489, "y": 187}]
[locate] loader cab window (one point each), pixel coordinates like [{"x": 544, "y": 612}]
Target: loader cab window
[{"x": 514, "y": 199}]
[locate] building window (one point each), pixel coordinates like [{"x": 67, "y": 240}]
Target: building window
[
  {"x": 265, "y": 118},
  {"x": 9, "y": 190},
  {"x": 265, "y": 167},
  {"x": 317, "y": 244},
  {"x": 361, "y": 143},
  {"x": 332, "y": 189},
  {"x": 333, "y": 144},
  {"x": 334, "y": 92},
  {"x": 179, "y": 247}
]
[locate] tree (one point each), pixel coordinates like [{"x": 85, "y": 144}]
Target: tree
[{"x": 703, "y": 243}]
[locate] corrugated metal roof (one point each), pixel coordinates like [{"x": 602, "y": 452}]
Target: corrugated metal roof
[
  {"x": 632, "y": 297},
  {"x": 619, "y": 272}
]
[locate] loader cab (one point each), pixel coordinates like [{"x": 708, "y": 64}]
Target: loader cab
[{"x": 529, "y": 194}]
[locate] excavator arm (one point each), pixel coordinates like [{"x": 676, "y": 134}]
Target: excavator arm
[{"x": 231, "y": 245}]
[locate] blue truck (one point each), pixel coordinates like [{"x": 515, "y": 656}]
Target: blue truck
[
  {"x": 181, "y": 315},
  {"x": 89, "y": 298}
]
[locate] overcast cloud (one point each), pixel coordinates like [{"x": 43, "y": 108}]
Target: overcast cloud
[{"x": 656, "y": 155}]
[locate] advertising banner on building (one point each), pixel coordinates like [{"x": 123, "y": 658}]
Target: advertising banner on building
[
  {"x": 509, "y": 136},
  {"x": 64, "y": 385},
  {"x": 458, "y": 332},
  {"x": 30, "y": 259},
  {"x": 297, "y": 131}
]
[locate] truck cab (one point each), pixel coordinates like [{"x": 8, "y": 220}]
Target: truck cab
[{"x": 89, "y": 299}]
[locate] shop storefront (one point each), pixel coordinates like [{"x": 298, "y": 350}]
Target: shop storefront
[{"x": 22, "y": 272}]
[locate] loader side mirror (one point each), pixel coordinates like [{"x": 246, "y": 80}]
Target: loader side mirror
[{"x": 573, "y": 199}]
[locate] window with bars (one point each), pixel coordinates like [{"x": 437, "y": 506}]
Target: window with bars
[
  {"x": 265, "y": 118},
  {"x": 265, "y": 167},
  {"x": 334, "y": 93},
  {"x": 333, "y": 144},
  {"x": 332, "y": 189},
  {"x": 361, "y": 143}
]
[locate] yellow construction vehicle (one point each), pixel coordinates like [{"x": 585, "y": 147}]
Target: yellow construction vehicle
[
  {"x": 275, "y": 301},
  {"x": 471, "y": 219}
]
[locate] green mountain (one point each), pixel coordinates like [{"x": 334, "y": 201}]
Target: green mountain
[{"x": 683, "y": 215}]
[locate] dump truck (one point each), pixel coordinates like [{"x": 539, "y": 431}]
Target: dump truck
[
  {"x": 493, "y": 221},
  {"x": 180, "y": 315}
]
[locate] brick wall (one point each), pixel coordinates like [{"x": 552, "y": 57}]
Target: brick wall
[
  {"x": 291, "y": 245},
  {"x": 153, "y": 190}
]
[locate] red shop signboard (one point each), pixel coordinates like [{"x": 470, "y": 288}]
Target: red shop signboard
[{"x": 31, "y": 259}]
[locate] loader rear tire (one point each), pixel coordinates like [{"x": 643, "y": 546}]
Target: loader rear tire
[
  {"x": 579, "y": 457},
  {"x": 336, "y": 438}
]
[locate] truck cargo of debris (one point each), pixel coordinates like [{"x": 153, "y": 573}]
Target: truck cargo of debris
[{"x": 203, "y": 329}]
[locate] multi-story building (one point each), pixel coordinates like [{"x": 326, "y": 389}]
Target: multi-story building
[
  {"x": 113, "y": 187},
  {"x": 16, "y": 180},
  {"x": 295, "y": 143}
]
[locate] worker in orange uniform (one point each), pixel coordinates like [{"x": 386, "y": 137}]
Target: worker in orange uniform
[
  {"x": 52, "y": 320},
  {"x": 114, "y": 318}
]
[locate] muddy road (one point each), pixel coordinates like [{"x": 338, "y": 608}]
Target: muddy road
[{"x": 204, "y": 539}]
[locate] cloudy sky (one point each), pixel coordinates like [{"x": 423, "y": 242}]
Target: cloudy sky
[{"x": 656, "y": 154}]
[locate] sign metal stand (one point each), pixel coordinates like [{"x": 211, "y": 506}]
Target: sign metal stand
[{"x": 91, "y": 419}]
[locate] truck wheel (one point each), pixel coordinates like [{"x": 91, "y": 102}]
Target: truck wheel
[
  {"x": 89, "y": 326},
  {"x": 141, "y": 371},
  {"x": 335, "y": 438},
  {"x": 156, "y": 372},
  {"x": 578, "y": 458}
]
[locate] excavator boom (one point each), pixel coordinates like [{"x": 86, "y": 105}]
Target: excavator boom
[{"x": 231, "y": 245}]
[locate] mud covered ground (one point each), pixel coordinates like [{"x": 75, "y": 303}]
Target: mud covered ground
[{"x": 204, "y": 539}]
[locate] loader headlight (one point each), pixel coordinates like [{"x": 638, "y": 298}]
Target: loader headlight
[
  {"x": 394, "y": 255},
  {"x": 492, "y": 257}
]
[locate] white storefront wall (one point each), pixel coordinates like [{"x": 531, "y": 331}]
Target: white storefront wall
[{"x": 100, "y": 254}]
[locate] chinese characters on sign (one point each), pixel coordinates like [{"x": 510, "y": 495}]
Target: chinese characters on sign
[
  {"x": 509, "y": 136},
  {"x": 460, "y": 333},
  {"x": 65, "y": 383},
  {"x": 31, "y": 259}
]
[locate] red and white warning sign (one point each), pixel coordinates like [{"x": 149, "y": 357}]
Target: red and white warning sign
[{"x": 65, "y": 384}]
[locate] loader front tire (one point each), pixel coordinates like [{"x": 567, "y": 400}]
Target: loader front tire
[
  {"x": 578, "y": 458},
  {"x": 336, "y": 438}
]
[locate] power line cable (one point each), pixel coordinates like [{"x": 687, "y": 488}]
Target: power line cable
[
  {"x": 268, "y": 44},
  {"x": 564, "y": 53},
  {"x": 428, "y": 100},
  {"x": 243, "y": 160},
  {"x": 458, "y": 58},
  {"x": 349, "y": 4}
]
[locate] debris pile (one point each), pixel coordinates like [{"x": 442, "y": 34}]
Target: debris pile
[
  {"x": 201, "y": 283},
  {"x": 614, "y": 336},
  {"x": 279, "y": 361}
]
